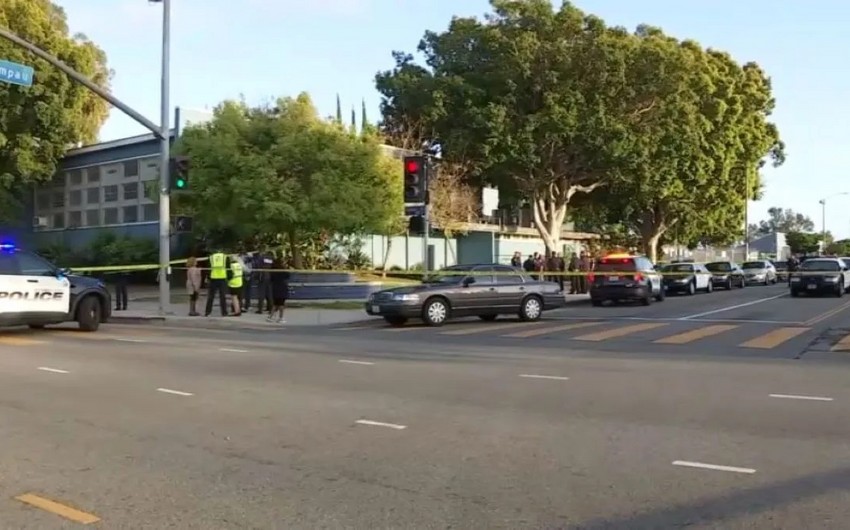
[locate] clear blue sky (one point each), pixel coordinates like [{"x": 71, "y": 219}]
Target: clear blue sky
[{"x": 265, "y": 48}]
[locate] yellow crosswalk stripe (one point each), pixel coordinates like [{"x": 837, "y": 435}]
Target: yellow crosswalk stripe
[
  {"x": 695, "y": 334},
  {"x": 546, "y": 331},
  {"x": 619, "y": 332},
  {"x": 472, "y": 329},
  {"x": 19, "y": 341},
  {"x": 843, "y": 344},
  {"x": 773, "y": 338}
]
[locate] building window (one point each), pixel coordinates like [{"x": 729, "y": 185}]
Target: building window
[
  {"x": 93, "y": 174},
  {"x": 75, "y": 177},
  {"x": 131, "y": 214},
  {"x": 131, "y": 168},
  {"x": 110, "y": 216},
  {"x": 92, "y": 217},
  {"x": 93, "y": 196},
  {"x": 110, "y": 193},
  {"x": 43, "y": 201},
  {"x": 58, "y": 180},
  {"x": 75, "y": 218},
  {"x": 75, "y": 197},
  {"x": 149, "y": 187},
  {"x": 59, "y": 220},
  {"x": 131, "y": 191},
  {"x": 58, "y": 199},
  {"x": 151, "y": 212}
]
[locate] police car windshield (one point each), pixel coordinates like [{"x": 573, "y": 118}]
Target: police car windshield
[
  {"x": 753, "y": 265},
  {"x": 448, "y": 275},
  {"x": 720, "y": 266},
  {"x": 825, "y": 265},
  {"x": 678, "y": 268}
]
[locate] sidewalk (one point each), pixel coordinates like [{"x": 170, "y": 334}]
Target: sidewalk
[{"x": 146, "y": 311}]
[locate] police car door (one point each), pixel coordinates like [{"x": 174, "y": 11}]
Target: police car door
[{"x": 46, "y": 290}]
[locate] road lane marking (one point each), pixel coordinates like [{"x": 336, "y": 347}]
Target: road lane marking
[
  {"x": 53, "y": 370},
  {"x": 685, "y": 463},
  {"x": 346, "y": 361},
  {"x": 175, "y": 392},
  {"x": 535, "y": 376},
  {"x": 19, "y": 341},
  {"x": 59, "y": 509},
  {"x": 382, "y": 424},
  {"x": 130, "y": 340},
  {"x": 731, "y": 307},
  {"x": 805, "y": 398},
  {"x": 233, "y": 350},
  {"x": 544, "y": 331},
  {"x": 773, "y": 338},
  {"x": 825, "y": 315},
  {"x": 619, "y": 332},
  {"x": 696, "y": 334},
  {"x": 842, "y": 345},
  {"x": 470, "y": 329}
]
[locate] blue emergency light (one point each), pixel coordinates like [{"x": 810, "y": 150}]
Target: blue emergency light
[{"x": 7, "y": 247}]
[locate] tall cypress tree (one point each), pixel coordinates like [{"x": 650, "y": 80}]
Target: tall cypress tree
[{"x": 338, "y": 110}]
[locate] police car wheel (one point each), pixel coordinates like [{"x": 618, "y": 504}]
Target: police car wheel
[{"x": 88, "y": 313}]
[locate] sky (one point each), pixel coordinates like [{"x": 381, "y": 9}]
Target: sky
[{"x": 263, "y": 49}]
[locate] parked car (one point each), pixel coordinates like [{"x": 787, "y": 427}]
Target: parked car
[
  {"x": 726, "y": 274},
  {"x": 781, "y": 271},
  {"x": 821, "y": 275},
  {"x": 486, "y": 291},
  {"x": 687, "y": 277},
  {"x": 625, "y": 277},
  {"x": 759, "y": 271}
]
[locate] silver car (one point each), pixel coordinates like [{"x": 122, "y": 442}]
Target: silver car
[{"x": 759, "y": 272}]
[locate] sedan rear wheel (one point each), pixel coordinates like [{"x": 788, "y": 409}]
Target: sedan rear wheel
[{"x": 531, "y": 309}]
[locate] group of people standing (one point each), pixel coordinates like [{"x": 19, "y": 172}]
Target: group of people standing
[
  {"x": 556, "y": 266},
  {"x": 238, "y": 276}
]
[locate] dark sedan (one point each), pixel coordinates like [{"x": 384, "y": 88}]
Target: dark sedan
[
  {"x": 820, "y": 275},
  {"x": 726, "y": 274},
  {"x": 485, "y": 291}
]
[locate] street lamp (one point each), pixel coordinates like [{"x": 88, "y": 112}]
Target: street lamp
[
  {"x": 823, "y": 216},
  {"x": 164, "y": 154}
]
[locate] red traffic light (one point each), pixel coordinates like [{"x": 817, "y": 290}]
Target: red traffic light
[{"x": 412, "y": 166}]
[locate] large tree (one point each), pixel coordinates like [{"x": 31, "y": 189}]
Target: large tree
[
  {"x": 535, "y": 99},
  {"x": 782, "y": 220},
  {"x": 284, "y": 171},
  {"x": 696, "y": 153},
  {"x": 39, "y": 123}
]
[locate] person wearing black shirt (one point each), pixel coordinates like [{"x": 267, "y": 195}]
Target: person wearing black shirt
[{"x": 279, "y": 280}]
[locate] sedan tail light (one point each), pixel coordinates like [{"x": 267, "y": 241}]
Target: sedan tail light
[{"x": 638, "y": 277}]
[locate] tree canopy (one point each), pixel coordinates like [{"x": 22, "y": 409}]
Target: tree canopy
[
  {"x": 39, "y": 123},
  {"x": 781, "y": 220},
  {"x": 283, "y": 172},
  {"x": 549, "y": 103},
  {"x": 802, "y": 242}
]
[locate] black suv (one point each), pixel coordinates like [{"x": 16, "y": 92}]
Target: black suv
[{"x": 625, "y": 277}]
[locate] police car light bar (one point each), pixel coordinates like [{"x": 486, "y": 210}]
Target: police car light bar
[{"x": 7, "y": 247}]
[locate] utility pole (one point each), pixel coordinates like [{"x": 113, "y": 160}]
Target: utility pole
[
  {"x": 746, "y": 216},
  {"x": 164, "y": 156}
]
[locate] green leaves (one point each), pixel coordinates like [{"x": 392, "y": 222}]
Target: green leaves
[
  {"x": 37, "y": 124},
  {"x": 282, "y": 170}
]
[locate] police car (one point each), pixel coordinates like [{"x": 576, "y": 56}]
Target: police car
[{"x": 35, "y": 293}]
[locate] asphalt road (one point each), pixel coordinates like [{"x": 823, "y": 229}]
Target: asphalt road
[
  {"x": 148, "y": 427},
  {"x": 752, "y": 322}
]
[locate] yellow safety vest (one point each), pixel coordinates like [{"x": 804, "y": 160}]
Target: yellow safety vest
[
  {"x": 217, "y": 266},
  {"x": 235, "y": 281}
]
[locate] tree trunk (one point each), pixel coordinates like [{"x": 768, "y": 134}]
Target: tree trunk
[
  {"x": 549, "y": 217},
  {"x": 295, "y": 249},
  {"x": 386, "y": 256},
  {"x": 651, "y": 229}
]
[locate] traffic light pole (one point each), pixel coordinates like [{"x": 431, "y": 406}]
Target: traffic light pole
[
  {"x": 164, "y": 155},
  {"x": 425, "y": 237}
]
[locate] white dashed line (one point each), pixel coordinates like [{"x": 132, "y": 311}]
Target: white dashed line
[
  {"x": 555, "y": 377},
  {"x": 714, "y": 467},
  {"x": 175, "y": 392},
  {"x": 53, "y": 370},
  {"x": 233, "y": 350},
  {"x": 346, "y": 361},
  {"x": 805, "y": 398},
  {"x": 731, "y": 307},
  {"x": 381, "y": 424},
  {"x": 130, "y": 340}
]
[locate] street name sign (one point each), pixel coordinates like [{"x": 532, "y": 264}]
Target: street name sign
[{"x": 16, "y": 74}]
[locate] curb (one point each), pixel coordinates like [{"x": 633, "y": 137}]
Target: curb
[{"x": 218, "y": 323}]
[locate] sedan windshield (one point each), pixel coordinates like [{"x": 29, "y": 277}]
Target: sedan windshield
[
  {"x": 450, "y": 275},
  {"x": 753, "y": 265},
  {"x": 820, "y": 265},
  {"x": 720, "y": 266}
]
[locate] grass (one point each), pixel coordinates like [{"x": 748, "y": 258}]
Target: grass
[{"x": 372, "y": 277}]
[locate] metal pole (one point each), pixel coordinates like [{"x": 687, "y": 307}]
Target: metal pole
[
  {"x": 746, "y": 217},
  {"x": 823, "y": 225},
  {"x": 426, "y": 241},
  {"x": 164, "y": 155}
]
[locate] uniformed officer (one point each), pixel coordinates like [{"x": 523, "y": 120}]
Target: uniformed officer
[
  {"x": 234, "y": 282},
  {"x": 219, "y": 272}
]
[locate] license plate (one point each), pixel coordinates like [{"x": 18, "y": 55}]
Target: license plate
[
  {"x": 376, "y": 309},
  {"x": 812, "y": 286},
  {"x": 613, "y": 278}
]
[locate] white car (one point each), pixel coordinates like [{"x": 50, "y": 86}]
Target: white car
[{"x": 35, "y": 293}]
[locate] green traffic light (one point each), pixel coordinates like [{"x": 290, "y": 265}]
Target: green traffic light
[{"x": 181, "y": 183}]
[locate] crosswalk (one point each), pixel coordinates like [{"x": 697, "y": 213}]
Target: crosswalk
[{"x": 670, "y": 333}]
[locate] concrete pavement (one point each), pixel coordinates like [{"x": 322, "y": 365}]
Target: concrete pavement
[{"x": 148, "y": 427}]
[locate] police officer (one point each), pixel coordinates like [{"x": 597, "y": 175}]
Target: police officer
[
  {"x": 235, "y": 282},
  {"x": 219, "y": 272},
  {"x": 264, "y": 287}
]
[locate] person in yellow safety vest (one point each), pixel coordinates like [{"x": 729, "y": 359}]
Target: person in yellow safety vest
[
  {"x": 234, "y": 282},
  {"x": 219, "y": 273}
]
